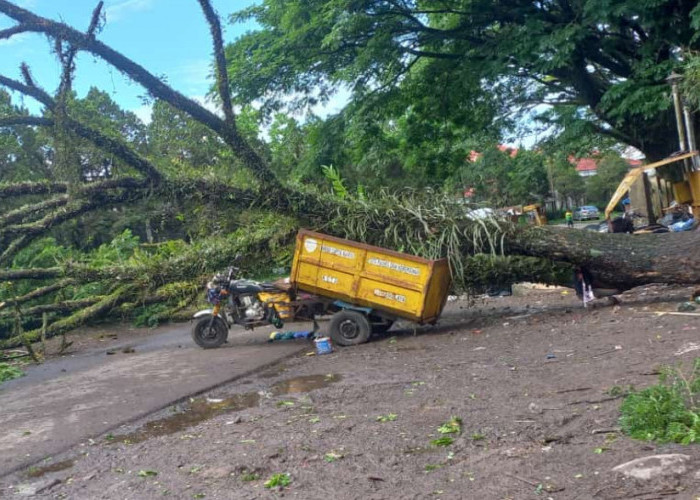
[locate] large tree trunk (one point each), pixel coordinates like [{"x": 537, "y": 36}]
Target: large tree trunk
[{"x": 621, "y": 261}]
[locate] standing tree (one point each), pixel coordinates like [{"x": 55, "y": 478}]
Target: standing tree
[{"x": 608, "y": 59}]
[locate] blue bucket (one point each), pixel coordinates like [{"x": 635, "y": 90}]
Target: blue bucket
[{"x": 323, "y": 345}]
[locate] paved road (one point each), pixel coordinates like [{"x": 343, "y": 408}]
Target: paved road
[{"x": 68, "y": 400}]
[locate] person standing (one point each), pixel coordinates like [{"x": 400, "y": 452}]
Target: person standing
[{"x": 569, "y": 218}]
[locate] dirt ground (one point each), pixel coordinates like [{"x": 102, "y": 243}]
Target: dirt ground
[{"x": 534, "y": 378}]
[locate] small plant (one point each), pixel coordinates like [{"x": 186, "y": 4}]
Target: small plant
[
  {"x": 432, "y": 467},
  {"x": 249, "y": 476},
  {"x": 452, "y": 426},
  {"x": 617, "y": 390},
  {"x": 332, "y": 456},
  {"x": 9, "y": 372},
  {"x": 150, "y": 316},
  {"x": 333, "y": 175},
  {"x": 477, "y": 436},
  {"x": 443, "y": 441},
  {"x": 146, "y": 473},
  {"x": 667, "y": 412},
  {"x": 278, "y": 481},
  {"x": 387, "y": 418}
]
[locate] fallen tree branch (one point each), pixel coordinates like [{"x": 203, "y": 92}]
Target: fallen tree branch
[
  {"x": 220, "y": 59},
  {"x": 106, "y": 304},
  {"x": 31, "y": 274},
  {"x": 36, "y": 121},
  {"x": 29, "y": 211},
  {"x": 32, "y": 188},
  {"x": 117, "y": 147},
  {"x": 38, "y": 293},
  {"x": 15, "y": 246},
  {"x": 29, "y": 232},
  {"x": 67, "y": 306},
  {"x": 154, "y": 85}
]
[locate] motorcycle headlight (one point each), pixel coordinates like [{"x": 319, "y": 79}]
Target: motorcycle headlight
[{"x": 213, "y": 295}]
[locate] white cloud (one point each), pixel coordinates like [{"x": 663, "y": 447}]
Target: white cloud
[
  {"x": 119, "y": 10},
  {"x": 144, "y": 113},
  {"x": 334, "y": 105},
  {"x": 209, "y": 104},
  {"x": 192, "y": 77},
  {"x": 15, "y": 39}
]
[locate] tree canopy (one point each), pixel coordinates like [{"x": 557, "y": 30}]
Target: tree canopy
[{"x": 607, "y": 58}]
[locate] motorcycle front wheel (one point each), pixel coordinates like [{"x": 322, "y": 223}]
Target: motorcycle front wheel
[{"x": 209, "y": 334}]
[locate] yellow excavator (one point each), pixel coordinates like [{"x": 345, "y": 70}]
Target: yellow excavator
[
  {"x": 636, "y": 173},
  {"x": 539, "y": 217}
]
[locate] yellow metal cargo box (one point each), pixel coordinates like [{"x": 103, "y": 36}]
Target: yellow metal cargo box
[{"x": 400, "y": 284}]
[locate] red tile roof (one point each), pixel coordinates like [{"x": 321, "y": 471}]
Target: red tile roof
[{"x": 584, "y": 164}]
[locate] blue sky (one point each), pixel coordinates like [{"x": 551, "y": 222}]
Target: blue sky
[{"x": 168, "y": 37}]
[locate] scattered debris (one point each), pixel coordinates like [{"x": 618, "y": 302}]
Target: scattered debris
[
  {"x": 686, "y": 307},
  {"x": 687, "y": 347},
  {"x": 606, "y": 431},
  {"x": 654, "y": 466},
  {"x": 670, "y": 313},
  {"x": 616, "y": 348},
  {"x": 323, "y": 345},
  {"x": 32, "y": 489}
]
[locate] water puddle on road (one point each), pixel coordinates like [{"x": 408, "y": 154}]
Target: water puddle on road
[
  {"x": 35, "y": 472},
  {"x": 201, "y": 409},
  {"x": 303, "y": 384}
]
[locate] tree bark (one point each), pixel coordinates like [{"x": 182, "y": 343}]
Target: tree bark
[{"x": 621, "y": 261}]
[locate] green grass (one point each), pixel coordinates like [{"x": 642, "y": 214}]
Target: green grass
[
  {"x": 249, "y": 476},
  {"x": 452, "y": 426},
  {"x": 278, "y": 481},
  {"x": 667, "y": 412},
  {"x": 9, "y": 372},
  {"x": 443, "y": 441}
]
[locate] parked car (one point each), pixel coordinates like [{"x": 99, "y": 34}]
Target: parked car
[{"x": 586, "y": 212}]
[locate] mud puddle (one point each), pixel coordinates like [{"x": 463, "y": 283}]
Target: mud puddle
[{"x": 201, "y": 409}]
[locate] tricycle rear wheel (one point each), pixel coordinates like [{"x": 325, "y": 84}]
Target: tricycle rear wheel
[{"x": 349, "y": 328}]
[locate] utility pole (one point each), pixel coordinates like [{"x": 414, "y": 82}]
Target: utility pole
[{"x": 684, "y": 121}]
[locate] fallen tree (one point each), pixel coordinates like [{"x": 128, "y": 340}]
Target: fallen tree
[{"x": 430, "y": 224}]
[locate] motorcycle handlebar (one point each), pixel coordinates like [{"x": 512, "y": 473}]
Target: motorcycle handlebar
[{"x": 222, "y": 279}]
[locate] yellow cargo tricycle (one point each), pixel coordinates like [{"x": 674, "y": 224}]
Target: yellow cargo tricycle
[{"x": 366, "y": 288}]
